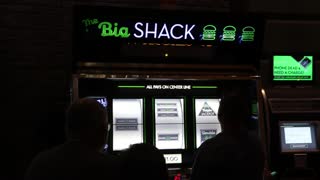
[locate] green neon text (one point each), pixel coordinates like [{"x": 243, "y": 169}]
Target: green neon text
[
  {"x": 88, "y": 22},
  {"x": 107, "y": 29}
]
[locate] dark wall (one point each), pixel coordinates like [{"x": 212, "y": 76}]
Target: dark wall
[{"x": 37, "y": 46}]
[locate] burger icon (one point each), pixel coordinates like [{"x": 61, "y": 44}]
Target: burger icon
[
  {"x": 247, "y": 33},
  {"x": 209, "y": 32},
  {"x": 229, "y": 33}
]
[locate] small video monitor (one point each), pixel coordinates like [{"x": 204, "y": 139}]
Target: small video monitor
[
  {"x": 289, "y": 68},
  {"x": 298, "y": 137},
  {"x": 127, "y": 120}
]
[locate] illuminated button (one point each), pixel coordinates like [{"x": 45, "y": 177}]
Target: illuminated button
[
  {"x": 298, "y": 146},
  {"x": 173, "y": 158}
]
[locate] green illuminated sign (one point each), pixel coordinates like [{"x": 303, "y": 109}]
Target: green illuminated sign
[
  {"x": 247, "y": 33},
  {"x": 288, "y": 68},
  {"x": 229, "y": 33},
  {"x": 209, "y": 32},
  {"x": 167, "y": 31},
  {"x": 96, "y": 27},
  {"x": 108, "y": 30}
]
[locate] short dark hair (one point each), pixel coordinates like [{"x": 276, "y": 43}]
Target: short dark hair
[
  {"x": 234, "y": 108},
  {"x": 85, "y": 114},
  {"x": 146, "y": 157}
]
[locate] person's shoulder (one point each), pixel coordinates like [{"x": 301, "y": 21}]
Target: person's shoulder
[
  {"x": 216, "y": 139},
  {"x": 41, "y": 161},
  {"x": 253, "y": 136},
  {"x": 48, "y": 153},
  {"x": 109, "y": 157},
  {"x": 211, "y": 143},
  {"x": 108, "y": 165},
  {"x": 109, "y": 160},
  {"x": 253, "y": 139}
]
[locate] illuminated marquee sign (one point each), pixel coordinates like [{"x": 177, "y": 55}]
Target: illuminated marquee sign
[
  {"x": 164, "y": 26},
  {"x": 120, "y": 35},
  {"x": 189, "y": 32}
]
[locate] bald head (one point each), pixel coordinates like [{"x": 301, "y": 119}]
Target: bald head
[{"x": 87, "y": 120}]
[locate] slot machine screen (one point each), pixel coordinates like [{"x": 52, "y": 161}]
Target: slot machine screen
[
  {"x": 169, "y": 123},
  {"x": 127, "y": 122},
  {"x": 206, "y": 115}
]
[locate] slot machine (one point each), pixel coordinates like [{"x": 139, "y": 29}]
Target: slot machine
[{"x": 162, "y": 75}]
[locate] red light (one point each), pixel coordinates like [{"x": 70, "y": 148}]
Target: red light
[{"x": 177, "y": 177}]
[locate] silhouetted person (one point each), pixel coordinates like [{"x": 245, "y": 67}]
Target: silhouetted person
[
  {"x": 143, "y": 162},
  {"x": 234, "y": 153},
  {"x": 81, "y": 156}
]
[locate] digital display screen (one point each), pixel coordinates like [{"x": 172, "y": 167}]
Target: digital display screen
[
  {"x": 292, "y": 68},
  {"x": 169, "y": 123},
  {"x": 127, "y": 122},
  {"x": 206, "y": 117},
  {"x": 298, "y": 137}
]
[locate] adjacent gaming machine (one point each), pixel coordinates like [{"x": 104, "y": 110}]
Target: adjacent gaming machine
[
  {"x": 161, "y": 74},
  {"x": 292, "y": 114}
]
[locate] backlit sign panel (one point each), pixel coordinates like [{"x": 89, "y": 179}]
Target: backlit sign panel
[
  {"x": 291, "y": 68},
  {"x": 159, "y": 26},
  {"x": 133, "y": 30}
]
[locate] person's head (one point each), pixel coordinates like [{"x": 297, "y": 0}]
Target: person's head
[
  {"x": 144, "y": 162},
  {"x": 87, "y": 122},
  {"x": 234, "y": 111}
]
